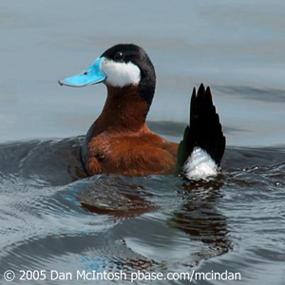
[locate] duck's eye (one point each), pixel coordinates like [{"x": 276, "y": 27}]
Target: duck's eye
[{"x": 118, "y": 56}]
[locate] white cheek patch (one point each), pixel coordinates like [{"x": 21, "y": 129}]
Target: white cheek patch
[
  {"x": 199, "y": 165},
  {"x": 120, "y": 74}
]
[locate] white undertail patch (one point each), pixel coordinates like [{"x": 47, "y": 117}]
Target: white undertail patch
[
  {"x": 120, "y": 74},
  {"x": 199, "y": 165}
]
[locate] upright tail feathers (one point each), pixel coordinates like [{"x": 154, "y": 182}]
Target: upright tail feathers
[{"x": 202, "y": 148}]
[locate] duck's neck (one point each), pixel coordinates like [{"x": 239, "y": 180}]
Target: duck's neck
[{"x": 124, "y": 111}]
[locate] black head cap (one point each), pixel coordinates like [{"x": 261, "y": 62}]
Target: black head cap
[{"x": 135, "y": 54}]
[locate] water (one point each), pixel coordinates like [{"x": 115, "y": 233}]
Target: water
[{"x": 54, "y": 217}]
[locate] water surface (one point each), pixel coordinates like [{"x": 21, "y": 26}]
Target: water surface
[{"x": 53, "y": 216}]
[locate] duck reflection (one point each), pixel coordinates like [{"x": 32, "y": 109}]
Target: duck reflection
[
  {"x": 117, "y": 197},
  {"x": 199, "y": 218}
]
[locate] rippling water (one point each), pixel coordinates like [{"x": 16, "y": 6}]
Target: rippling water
[{"x": 54, "y": 217}]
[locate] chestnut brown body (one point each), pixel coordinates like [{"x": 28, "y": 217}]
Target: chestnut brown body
[{"x": 120, "y": 142}]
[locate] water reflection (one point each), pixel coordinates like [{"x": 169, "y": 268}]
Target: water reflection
[
  {"x": 116, "y": 196},
  {"x": 197, "y": 215},
  {"x": 199, "y": 218}
]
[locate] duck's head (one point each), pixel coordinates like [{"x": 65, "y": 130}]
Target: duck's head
[{"x": 121, "y": 66}]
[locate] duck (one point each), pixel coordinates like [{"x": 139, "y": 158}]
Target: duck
[{"x": 120, "y": 142}]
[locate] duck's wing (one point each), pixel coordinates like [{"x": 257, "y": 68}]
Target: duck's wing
[{"x": 203, "y": 144}]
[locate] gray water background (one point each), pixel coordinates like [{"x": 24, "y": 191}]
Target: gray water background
[{"x": 236, "y": 47}]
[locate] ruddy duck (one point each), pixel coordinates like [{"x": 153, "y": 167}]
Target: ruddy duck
[{"x": 120, "y": 142}]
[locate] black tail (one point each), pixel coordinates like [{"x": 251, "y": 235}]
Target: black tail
[{"x": 204, "y": 130}]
